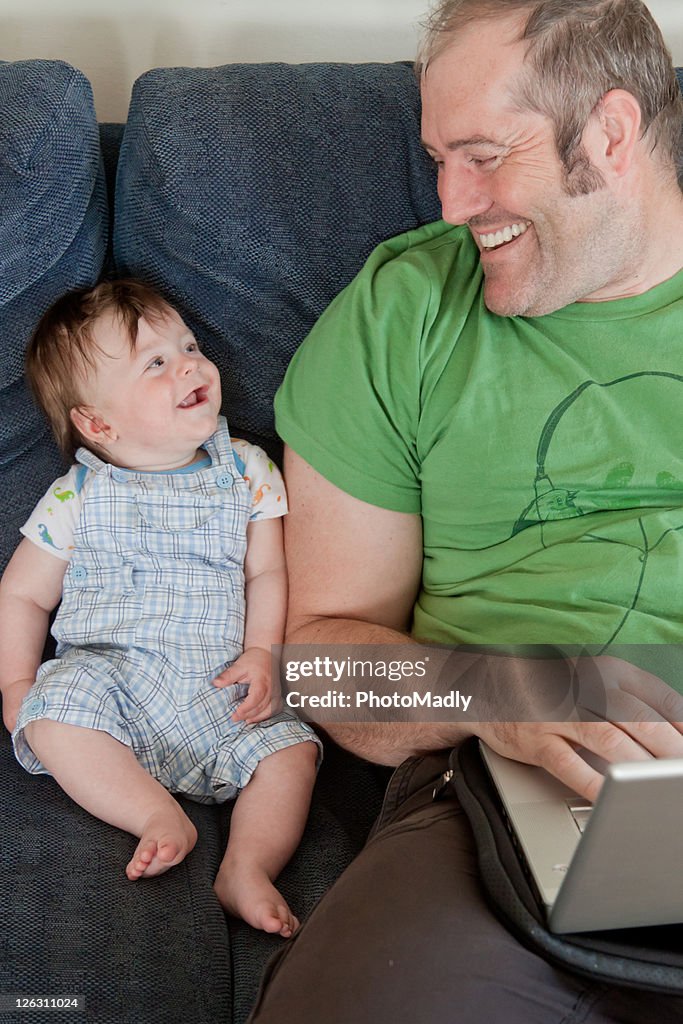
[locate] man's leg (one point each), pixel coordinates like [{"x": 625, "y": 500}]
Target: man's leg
[{"x": 406, "y": 936}]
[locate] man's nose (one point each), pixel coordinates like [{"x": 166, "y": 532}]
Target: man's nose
[{"x": 462, "y": 193}]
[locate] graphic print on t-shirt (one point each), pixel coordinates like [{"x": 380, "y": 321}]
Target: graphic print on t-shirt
[{"x": 585, "y": 464}]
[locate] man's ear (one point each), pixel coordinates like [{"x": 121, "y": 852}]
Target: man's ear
[
  {"x": 91, "y": 426},
  {"x": 620, "y": 120}
]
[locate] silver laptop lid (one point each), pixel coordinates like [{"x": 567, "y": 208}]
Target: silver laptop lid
[{"x": 625, "y": 869}]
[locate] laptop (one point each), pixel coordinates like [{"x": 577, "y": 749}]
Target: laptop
[{"x": 615, "y": 864}]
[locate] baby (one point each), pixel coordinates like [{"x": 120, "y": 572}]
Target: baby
[{"x": 164, "y": 544}]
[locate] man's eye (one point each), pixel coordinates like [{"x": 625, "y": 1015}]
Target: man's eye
[{"x": 483, "y": 161}]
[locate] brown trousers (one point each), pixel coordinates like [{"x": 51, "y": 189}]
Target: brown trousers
[{"x": 405, "y": 937}]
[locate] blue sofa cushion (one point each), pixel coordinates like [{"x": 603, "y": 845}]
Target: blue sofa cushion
[
  {"x": 53, "y": 227},
  {"x": 251, "y": 194}
]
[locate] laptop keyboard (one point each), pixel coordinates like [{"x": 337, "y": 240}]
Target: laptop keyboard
[{"x": 580, "y": 810}]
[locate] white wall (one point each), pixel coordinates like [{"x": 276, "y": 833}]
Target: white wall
[
  {"x": 113, "y": 41},
  {"x": 669, "y": 14}
]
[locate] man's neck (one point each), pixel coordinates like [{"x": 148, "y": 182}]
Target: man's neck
[{"x": 659, "y": 254}]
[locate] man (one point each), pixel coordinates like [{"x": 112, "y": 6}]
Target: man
[{"x": 492, "y": 456}]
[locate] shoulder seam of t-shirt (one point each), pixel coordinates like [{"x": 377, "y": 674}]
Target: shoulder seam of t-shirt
[{"x": 346, "y": 477}]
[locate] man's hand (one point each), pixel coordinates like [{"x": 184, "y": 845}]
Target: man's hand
[
  {"x": 618, "y": 711},
  {"x": 255, "y": 669}
]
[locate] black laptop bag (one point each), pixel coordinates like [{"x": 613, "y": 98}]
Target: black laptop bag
[{"x": 648, "y": 958}]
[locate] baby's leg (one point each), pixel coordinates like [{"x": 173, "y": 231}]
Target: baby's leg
[
  {"x": 267, "y": 823},
  {"x": 104, "y": 777}
]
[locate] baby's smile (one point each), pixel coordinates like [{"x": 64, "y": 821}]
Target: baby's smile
[{"x": 196, "y": 397}]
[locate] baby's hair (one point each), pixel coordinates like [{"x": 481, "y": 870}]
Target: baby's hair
[{"x": 64, "y": 347}]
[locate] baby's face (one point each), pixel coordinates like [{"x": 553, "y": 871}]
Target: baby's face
[{"x": 161, "y": 400}]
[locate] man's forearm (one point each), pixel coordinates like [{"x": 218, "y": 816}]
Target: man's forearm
[
  {"x": 390, "y": 743},
  {"x": 386, "y": 742}
]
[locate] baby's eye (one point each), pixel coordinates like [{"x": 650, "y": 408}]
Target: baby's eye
[
  {"x": 192, "y": 346},
  {"x": 158, "y": 361}
]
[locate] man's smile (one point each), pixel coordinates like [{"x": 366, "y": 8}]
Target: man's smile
[{"x": 494, "y": 239}]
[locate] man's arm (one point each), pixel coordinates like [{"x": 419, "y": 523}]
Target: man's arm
[
  {"x": 354, "y": 572},
  {"x": 29, "y": 590},
  {"x": 354, "y": 575}
]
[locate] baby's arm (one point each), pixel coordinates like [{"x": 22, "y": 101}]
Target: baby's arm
[
  {"x": 266, "y": 607},
  {"x": 30, "y": 588}
]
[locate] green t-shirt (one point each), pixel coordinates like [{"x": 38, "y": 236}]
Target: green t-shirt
[{"x": 545, "y": 455}]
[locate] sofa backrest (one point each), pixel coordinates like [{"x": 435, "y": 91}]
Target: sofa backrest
[
  {"x": 53, "y": 231},
  {"x": 248, "y": 194},
  {"x": 251, "y": 194}
]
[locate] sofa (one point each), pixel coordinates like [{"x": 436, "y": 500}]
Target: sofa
[{"x": 249, "y": 195}]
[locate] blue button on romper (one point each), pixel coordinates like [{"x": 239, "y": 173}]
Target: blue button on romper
[{"x": 152, "y": 610}]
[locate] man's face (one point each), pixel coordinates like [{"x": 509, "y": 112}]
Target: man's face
[{"x": 541, "y": 246}]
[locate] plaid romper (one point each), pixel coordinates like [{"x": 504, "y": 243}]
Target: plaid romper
[{"x": 152, "y": 610}]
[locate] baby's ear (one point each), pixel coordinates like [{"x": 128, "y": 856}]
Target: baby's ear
[{"x": 91, "y": 426}]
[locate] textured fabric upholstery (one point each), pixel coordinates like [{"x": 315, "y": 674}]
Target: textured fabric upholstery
[
  {"x": 155, "y": 951},
  {"x": 251, "y": 194},
  {"x": 53, "y": 226},
  {"x": 264, "y": 263}
]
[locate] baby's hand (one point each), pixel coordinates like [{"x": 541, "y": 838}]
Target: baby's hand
[{"x": 253, "y": 667}]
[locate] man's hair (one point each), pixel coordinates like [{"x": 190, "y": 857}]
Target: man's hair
[
  {"x": 64, "y": 347},
  {"x": 577, "y": 50}
]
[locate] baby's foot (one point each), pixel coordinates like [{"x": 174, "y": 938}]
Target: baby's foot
[
  {"x": 248, "y": 893},
  {"x": 167, "y": 837}
]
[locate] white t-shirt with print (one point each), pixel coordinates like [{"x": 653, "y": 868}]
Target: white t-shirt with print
[{"x": 52, "y": 523}]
